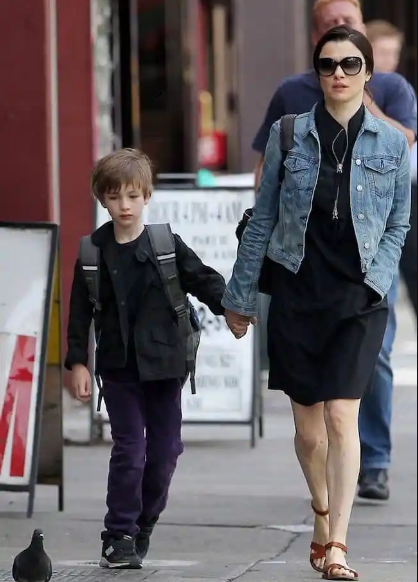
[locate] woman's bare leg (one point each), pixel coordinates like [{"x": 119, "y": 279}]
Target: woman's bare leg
[
  {"x": 343, "y": 466},
  {"x": 311, "y": 445}
]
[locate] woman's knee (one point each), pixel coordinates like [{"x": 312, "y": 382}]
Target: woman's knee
[
  {"x": 311, "y": 432},
  {"x": 310, "y": 441},
  {"x": 341, "y": 418}
]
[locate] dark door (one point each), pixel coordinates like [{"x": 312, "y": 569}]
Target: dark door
[{"x": 166, "y": 82}]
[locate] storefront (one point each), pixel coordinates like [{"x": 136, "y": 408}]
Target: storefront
[{"x": 186, "y": 76}]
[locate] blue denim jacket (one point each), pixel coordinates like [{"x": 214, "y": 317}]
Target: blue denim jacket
[{"x": 380, "y": 204}]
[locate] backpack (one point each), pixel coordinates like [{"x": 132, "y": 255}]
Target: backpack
[
  {"x": 287, "y": 142},
  {"x": 164, "y": 248}
]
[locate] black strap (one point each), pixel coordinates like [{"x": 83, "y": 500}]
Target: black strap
[
  {"x": 164, "y": 248},
  {"x": 89, "y": 257},
  {"x": 287, "y": 140}
]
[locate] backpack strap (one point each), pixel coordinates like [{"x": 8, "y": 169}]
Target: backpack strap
[
  {"x": 287, "y": 138},
  {"x": 89, "y": 257},
  {"x": 164, "y": 248}
]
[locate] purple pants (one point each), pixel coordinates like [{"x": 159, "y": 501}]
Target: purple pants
[{"x": 146, "y": 429}]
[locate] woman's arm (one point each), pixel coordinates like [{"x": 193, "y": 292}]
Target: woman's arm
[
  {"x": 397, "y": 227},
  {"x": 242, "y": 290}
]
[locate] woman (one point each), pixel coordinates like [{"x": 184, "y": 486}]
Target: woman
[{"x": 334, "y": 232}]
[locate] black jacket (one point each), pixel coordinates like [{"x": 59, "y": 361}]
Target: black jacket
[{"x": 160, "y": 351}]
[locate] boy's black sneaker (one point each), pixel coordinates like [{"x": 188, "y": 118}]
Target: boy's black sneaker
[
  {"x": 120, "y": 554},
  {"x": 143, "y": 538}
]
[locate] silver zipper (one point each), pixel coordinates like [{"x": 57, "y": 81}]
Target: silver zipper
[{"x": 340, "y": 169}]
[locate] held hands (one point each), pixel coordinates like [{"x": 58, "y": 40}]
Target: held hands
[
  {"x": 81, "y": 383},
  {"x": 239, "y": 324}
]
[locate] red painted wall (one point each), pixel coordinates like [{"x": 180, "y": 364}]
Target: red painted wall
[
  {"x": 26, "y": 145},
  {"x": 25, "y": 113},
  {"x": 75, "y": 74}
]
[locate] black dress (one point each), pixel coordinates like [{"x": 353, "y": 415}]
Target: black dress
[{"x": 325, "y": 326}]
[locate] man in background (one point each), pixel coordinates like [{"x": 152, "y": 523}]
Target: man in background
[
  {"x": 393, "y": 101},
  {"x": 387, "y": 41}
]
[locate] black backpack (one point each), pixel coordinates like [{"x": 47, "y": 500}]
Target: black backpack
[
  {"x": 287, "y": 141},
  {"x": 164, "y": 247}
]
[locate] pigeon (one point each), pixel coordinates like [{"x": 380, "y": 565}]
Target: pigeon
[{"x": 33, "y": 564}]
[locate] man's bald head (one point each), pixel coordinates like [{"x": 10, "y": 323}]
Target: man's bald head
[{"x": 330, "y": 13}]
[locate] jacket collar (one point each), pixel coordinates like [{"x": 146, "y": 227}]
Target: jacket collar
[
  {"x": 105, "y": 235},
  {"x": 369, "y": 123},
  {"x": 102, "y": 235}
]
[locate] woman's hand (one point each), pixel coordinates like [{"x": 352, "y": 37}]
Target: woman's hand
[{"x": 239, "y": 324}]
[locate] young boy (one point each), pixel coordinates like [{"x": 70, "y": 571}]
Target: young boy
[{"x": 140, "y": 355}]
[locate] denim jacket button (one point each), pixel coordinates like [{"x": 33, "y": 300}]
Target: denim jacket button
[
  {"x": 358, "y": 162},
  {"x": 367, "y": 246},
  {"x": 359, "y": 188},
  {"x": 361, "y": 216}
]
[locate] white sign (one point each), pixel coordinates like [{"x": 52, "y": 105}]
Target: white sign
[
  {"x": 206, "y": 220},
  {"x": 24, "y": 272}
]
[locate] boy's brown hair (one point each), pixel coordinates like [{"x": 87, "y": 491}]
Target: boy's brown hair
[
  {"x": 377, "y": 29},
  {"x": 123, "y": 167}
]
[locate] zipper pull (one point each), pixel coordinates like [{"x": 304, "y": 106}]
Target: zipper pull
[
  {"x": 335, "y": 214},
  {"x": 340, "y": 168}
]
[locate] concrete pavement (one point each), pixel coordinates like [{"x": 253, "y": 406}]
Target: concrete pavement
[{"x": 234, "y": 513}]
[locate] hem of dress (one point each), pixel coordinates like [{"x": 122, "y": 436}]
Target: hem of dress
[{"x": 314, "y": 402}]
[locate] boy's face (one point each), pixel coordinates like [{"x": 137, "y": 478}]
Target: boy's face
[
  {"x": 126, "y": 206},
  {"x": 387, "y": 53}
]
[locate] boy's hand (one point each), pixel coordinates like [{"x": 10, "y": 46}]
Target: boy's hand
[
  {"x": 81, "y": 382},
  {"x": 239, "y": 324}
]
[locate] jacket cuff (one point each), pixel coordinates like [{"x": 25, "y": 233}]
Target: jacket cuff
[
  {"x": 74, "y": 359},
  {"x": 231, "y": 305}
]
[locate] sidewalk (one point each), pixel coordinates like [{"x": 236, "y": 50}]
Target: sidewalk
[{"x": 234, "y": 513}]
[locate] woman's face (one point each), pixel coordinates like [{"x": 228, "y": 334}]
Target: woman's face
[{"x": 346, "y": 83}]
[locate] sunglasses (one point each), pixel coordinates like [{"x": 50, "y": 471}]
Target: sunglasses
[{"x": 350, "y": 65}]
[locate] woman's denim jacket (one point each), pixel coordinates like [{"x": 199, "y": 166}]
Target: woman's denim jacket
[{"x": 380, "y": 203}]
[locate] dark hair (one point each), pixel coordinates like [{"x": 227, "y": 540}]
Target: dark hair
[{"x": 341, "y": 34}]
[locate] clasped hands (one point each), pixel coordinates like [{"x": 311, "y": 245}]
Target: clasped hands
[{"x": 239, "y": 324}]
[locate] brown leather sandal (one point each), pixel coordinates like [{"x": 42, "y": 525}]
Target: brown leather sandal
[
  {"x": 328, "y": 572},
  {"x": 318, "y": 552}
]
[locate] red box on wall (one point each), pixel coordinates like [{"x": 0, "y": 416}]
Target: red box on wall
[{"x": 212, "y": 150}]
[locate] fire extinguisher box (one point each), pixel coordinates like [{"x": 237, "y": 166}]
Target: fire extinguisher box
[
  {"x": 212, "y": 143},
  {"x": 212, "y": 150}
]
